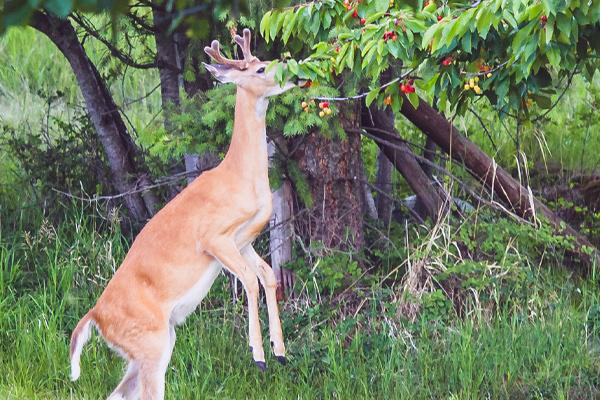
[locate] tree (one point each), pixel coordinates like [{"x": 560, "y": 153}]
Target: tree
[
  {"x": 128, "y": 174},
  {"x": 515, "y": 54}
]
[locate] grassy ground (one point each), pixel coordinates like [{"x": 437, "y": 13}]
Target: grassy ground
[{"x": 546, "y": 346}]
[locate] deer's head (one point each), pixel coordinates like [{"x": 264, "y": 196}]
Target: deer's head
[{"x": 249, "y": 73}]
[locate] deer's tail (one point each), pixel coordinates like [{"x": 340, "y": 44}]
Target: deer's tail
[{"x": 80, "y": 336}]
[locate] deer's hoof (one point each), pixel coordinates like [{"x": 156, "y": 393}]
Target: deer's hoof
[
  {"x": 261, "y": 365},
  {"x": 282, "y": 360}
]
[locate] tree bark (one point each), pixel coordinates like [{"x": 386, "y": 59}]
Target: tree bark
[
  {"x": 370, "y": 208},
  {"x": 332, "y": 168},
  {"x": 428, "y": 154},
  {"x": 280, "y": 230},
  {"x": 405, "y": 162},
  {"x": 168, "y": 61},
  {"x": 120, "y": 149},
  {"x": 484, "y": 168},
  {"x": 383, "y": 183}
]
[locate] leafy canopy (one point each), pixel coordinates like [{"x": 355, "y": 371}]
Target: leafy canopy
[{"x": 514, "y": 52}]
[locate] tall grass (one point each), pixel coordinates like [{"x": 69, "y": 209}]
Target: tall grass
[
  {"x": 50, "y": 276},
  {"x": 32, "y": 69}
]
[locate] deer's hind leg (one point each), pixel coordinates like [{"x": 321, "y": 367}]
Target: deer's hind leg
[
  {"x": 129, "y": 386},
  {"x": 267, "y": 279},
  {"x": 226, "y": 252},
  {"x": 151, "y": 360}
]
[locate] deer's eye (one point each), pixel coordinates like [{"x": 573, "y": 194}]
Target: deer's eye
[{"x": 260, "y": 70}]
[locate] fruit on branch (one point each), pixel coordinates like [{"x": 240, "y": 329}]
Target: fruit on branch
[
  {"x": 439, "y": 18},
  {"x": 473, "y": 84},
  {"x": 407, "y": 87},
  {"x": 447, "y": 61},
  {"x": 363, "y": 21},
  {"x": 390, "y": 35},
  {"x": 387, "y": 101},
  {"x": 543, "y": 20},
  {"x": 355, "y": 14}
]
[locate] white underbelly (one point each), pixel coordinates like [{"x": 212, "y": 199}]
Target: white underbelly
[{"x": 185, "y": 305}]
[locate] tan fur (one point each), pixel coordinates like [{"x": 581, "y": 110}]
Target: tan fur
[{"x": 176, "y": 257}]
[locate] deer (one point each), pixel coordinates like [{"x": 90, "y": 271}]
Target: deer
[{"x": 207, "y": 227}]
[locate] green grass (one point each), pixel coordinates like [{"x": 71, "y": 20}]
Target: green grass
[
  {"x": 547, "y": 346},
  {"x": 33, "y": 68}
]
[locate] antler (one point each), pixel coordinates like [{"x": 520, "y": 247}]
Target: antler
[{"x": 214, "y": 51}]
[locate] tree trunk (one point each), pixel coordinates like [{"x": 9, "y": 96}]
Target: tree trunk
[
  {"x": 168, "y": 61},
  {"x": 383, "y": 183},
  {"x": 332, "y": 168},
  {"x": 484, "y": 168},
  {"x": 280, "y": 231},
  {"x": 120, "y": 149},
  {"x": 370, "y": 208},
  {"x": 429, "y": 155},
  {"x": 405, "y": 163}
]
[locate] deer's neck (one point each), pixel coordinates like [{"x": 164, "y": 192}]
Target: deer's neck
[{"x": 247, "y": 152}]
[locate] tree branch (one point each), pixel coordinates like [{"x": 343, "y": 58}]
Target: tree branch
[{"x": 124, "y": 58}]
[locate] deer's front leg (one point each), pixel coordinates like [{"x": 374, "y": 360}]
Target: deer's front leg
[
  {"x": 267, "y": 279},
  {"x": 226, "y": 252}
]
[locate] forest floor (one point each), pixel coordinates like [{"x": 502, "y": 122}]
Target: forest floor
[{"x": 544, "y": 345}]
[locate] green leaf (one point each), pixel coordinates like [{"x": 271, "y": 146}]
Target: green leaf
[
  {"x": 60, "y": 8},
  {"x": 288, "y": 26},
  {"x": 394, "y": 48},
  {"x": 428, "y": 36},
  {"x": 372, "y": 95},
  {"x": 273, "y": 25},
  {"x": 415, "y": 25},
  {"x": 381, "y": 5},
  {"x": 484, "y": 22},
  {"x": 293, "y": 66},
  {"x": 367, "y": 47},
  {"x": 414, "y": 99},
  {"x": 563, "y": 23},
  {"x": 264, "y": 24},
  {"x": 350, "y": 57},
  {"x": 553, "y": 55},
  {"x": 315, "y": 24}
]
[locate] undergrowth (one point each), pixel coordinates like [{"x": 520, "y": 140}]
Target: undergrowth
[{"x": 489, "y": 314}]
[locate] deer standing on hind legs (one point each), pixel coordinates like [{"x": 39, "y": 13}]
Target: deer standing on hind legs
[{"x": 177, "y": 256}]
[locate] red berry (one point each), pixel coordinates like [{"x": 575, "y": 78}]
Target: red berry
[
  {"x": 403, "y": 88},
  {"x": 363, "y": 21},
  {"x": 355, "y": 14},
  {"x": 447, "y": 61},
  {"x": 411, "y": 82},
  {"x": 439, "y": 18},
  {"x": 411, "y": 89},
  {"x": 394, "y": 37},
  {"x": 325, "y": 104}
]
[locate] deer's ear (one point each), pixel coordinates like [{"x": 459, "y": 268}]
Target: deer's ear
[{"x": 219, "y": 71}]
